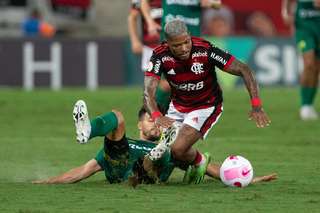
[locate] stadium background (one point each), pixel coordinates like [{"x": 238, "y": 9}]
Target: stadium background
[
  {"x": 91, "y": 51},
  {"x": 102, "y": 29}
]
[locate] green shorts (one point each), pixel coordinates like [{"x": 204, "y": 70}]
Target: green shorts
[
  {"x": 114, "y": 160},
  {"x": 307, "y": 36}
]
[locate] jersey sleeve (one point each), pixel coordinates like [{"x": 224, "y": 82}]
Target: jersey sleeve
[
  {"x": 100, "y": 159},
  {"x": 220, "y": 58},
  {"x": 155, "y": 66}
]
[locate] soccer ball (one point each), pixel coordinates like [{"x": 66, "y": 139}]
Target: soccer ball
[{"x": 236, "y": 171}]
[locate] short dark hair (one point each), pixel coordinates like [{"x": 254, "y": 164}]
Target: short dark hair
[
  {"x": 174, "y": 28},
  {"x": 142, "y": 113}
]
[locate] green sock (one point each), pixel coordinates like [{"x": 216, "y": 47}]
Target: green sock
[
  {"x": 104, "y": 124},
  {"x": 308, "y": 95},
  {"x": 163, "y": 99},
  {"x": 313, "y": 94}
]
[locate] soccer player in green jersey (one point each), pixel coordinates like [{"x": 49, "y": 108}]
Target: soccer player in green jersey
[
  {"x": 189, "y": 11},
  {"x": 121, "y": 157},
  {"x": 307, "y": 36}
]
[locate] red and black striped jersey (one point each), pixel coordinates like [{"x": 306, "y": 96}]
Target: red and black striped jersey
[
  {"x": 193, "y": 82},
  {"x": 156, "y": 13}
]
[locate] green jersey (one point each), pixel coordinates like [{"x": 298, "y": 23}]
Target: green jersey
[
  {"x": 118, "y": 158},
  {"x": 306, "y": 10},
  {"x": 307, "y": 22},
  {"x": 189, "y": 11}
]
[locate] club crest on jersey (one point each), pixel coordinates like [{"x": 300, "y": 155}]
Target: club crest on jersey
[
  {"x": 218, "y": 58},
  {"x": 197, "y": 68},
  {"x": 199, "y": 54}
]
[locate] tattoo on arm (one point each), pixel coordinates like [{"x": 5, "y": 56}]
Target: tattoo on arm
[
  {"x": 149, "y": 94},
  {"x": 240, "y": 69}
]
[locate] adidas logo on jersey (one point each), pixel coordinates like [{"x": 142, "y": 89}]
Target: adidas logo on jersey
[{"x": 171, "y": 72}]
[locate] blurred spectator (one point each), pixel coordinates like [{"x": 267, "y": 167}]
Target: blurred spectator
[
  {"x": 260, "y": 25},
  {"x": 218, "y": 23},
  {"x": 34, "y": 26}
]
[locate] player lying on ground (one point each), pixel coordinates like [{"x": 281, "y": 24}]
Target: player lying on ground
[{"x": 121, "y": 156}]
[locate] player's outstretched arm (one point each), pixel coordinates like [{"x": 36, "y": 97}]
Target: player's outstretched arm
[
  {"x": 265, "y": 178},
  {"x": 74, "y": 175},
  {"x": 213, "y": 170},
  {"x": 257, "y": 113}
]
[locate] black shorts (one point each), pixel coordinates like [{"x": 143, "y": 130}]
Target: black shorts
[{"x": 116, "y": 149}]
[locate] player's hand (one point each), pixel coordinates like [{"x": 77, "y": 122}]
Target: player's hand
[
  {"x": 164, "y": 121},
  {"x": 136, "y": 47},
  {"x": 153, "y": 28},
  {"x": 265, "y": 178},
  {"x": 216, "y": 4},
  {"x": 260, "y": 117}
]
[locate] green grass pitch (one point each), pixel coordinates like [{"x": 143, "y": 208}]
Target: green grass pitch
[{"x": 37, "y": 140}]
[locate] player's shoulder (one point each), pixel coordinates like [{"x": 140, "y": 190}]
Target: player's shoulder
[
  {"x": 161, "y": 49},
  {"x": 200, "y": 42}
]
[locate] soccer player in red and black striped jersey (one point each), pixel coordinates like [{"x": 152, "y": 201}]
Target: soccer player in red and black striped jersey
[
  {"x": 188, "y": 63},
  {"x": 149, "y": 41}
]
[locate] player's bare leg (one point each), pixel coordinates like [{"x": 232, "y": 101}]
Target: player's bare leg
[
  {"x": 182, "y": 148},
  {"x": 309, "y": 83}
]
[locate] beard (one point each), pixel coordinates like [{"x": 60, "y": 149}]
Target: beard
[{"x": 152, "y": 135}]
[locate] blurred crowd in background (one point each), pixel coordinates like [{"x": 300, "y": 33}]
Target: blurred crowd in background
[{"x": 98, "y": 18}]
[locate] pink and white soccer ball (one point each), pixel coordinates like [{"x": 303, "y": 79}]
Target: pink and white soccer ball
[{"x": 236, "y": 171}]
